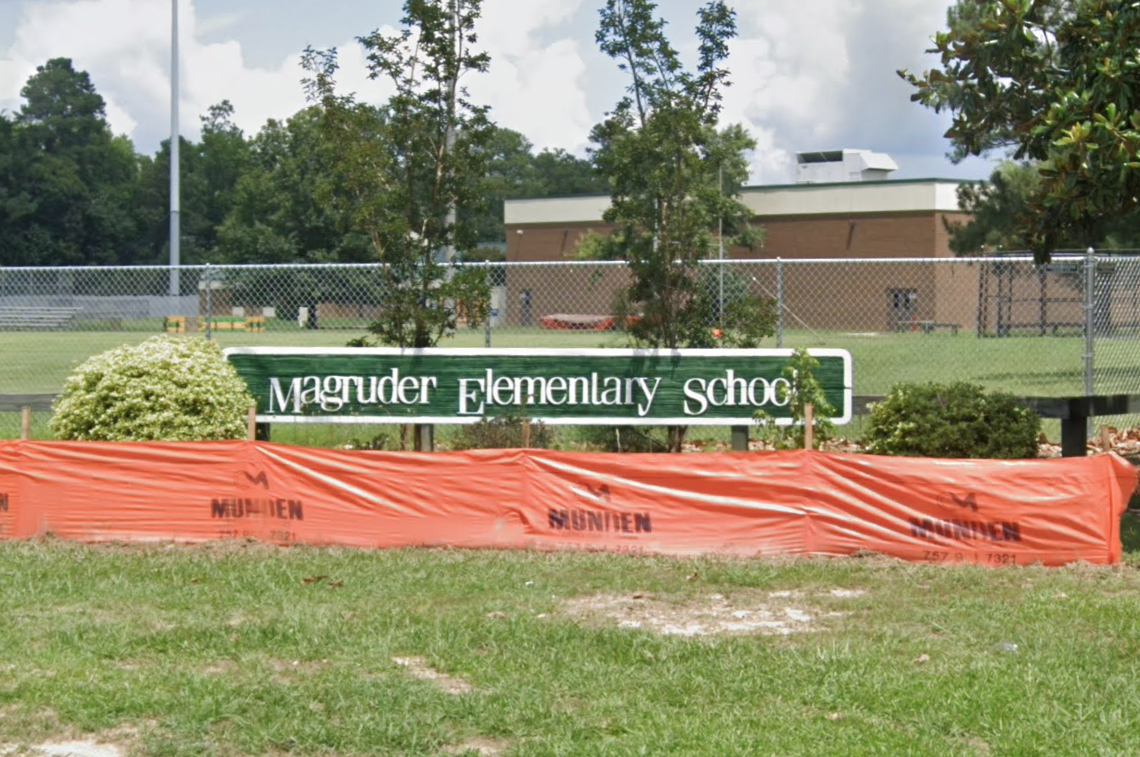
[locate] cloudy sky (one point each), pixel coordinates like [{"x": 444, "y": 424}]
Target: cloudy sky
[{"x": 807, "y": 74}]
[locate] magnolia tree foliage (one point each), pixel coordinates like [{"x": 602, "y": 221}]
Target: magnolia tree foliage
[
  {"x": 1053, "y": 82},
  {"x": 405, "y": 173},
  {"x": 164, "y": 389}
]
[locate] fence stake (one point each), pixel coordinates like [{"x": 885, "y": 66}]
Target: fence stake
[
  {"x": 983, "y": 296},
  {"x": 809, "y": 426},
  {"x": 1105, "y": 439},
  {"x": 1090, "y": 323},
  {"x": 251, "y": 424},
  {"x": 779, "y": 302},
  {"x": 209, "y": 304},
  {"x": 25, "y": 423}
]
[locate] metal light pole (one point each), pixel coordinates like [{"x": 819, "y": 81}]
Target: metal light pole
[
  {"x": 456, "y": 42},
  {"x": 720, "y": 244},
  {"x": 175, "y": 233}
]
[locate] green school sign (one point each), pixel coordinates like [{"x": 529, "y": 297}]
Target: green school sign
[{"x": 557, "y": 387}]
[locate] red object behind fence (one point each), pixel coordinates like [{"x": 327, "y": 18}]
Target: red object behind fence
[
  {"x": 990, "y": 512},
  {"x": 573, "y": 322}
]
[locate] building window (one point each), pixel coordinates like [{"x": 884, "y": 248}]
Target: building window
[{"x": 903, "y": 304}]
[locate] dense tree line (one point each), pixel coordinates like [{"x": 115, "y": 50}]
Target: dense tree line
[
  {"x": 999, "y": 206},
  {"x": 74, "y": 193}
]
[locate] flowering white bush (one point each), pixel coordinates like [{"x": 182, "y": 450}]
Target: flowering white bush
[{"x": 165, "y": 389}]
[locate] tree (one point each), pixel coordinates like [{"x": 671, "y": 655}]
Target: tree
[
  {"x": 224, "y": 157},
  {"x": 995, "y": 208},
  {"x": 409, "y": 174},
  {"x": 513, "y": 170},
  {"x": 69, "y": 179},
  {"x": 73, "y": 193},
  {"x": 62, "y": 108},
  {"x": 198, "y": 231},
  {"x": 559, "y": 173},
  {"x": 17, "y": 205},
  {"x": 510, "y": 173},
  {"x": 1053, "y": 82},
  {"x": 673, "y": 176},
  {"x": 278, "y": 212},
  {"x": 151, "y": 204},
  {"x": 209, "y": 173}
]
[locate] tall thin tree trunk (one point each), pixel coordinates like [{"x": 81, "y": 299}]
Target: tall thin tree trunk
[{"x": 677, "y": 437}]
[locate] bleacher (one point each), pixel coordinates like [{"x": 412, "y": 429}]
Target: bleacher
[{"x": 37, "y": 318}]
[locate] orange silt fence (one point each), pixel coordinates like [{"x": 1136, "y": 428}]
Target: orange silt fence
[{"x": 743, "y": 504}]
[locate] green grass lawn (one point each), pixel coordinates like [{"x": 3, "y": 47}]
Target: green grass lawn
[
  {"x": 39, "y": 362},
  {"x": 241, "y": 649}
]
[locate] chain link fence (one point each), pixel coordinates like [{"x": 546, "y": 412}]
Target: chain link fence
[{"x": 1068, "y": 328}]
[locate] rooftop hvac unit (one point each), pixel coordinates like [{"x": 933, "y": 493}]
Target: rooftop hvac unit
[{"x": 837, "y": 166}]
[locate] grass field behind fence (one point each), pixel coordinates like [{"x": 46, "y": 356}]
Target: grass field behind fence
[
  {"x": 39, "y": 362},
  {"x": 238, "y": 649}
]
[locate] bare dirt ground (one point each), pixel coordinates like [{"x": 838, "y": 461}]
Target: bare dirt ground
[
  {"x": 417, "y": 667},
  {"x": 774, "y": 613},
  {"x": 64, "y": 749},
  {"x": 778, "y": 613}
]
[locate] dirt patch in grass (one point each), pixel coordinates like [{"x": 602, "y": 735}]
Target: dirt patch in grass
[
  {"x": 417, "y": 667},
  {"x": 288, "y": 671},
  {"x": 111, "y": 744},
  {"x": 219, "y": 668},
  {"x": 76, "y": 749},
  {"x": 480, "y": 745},
  {"x": 778, "y": 613}
]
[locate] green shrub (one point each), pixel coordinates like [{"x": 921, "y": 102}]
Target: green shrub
[
  {"x": 952, "y": 420},
  {"x": 504, "y": 432},
  {"x": 164, "y": 389},
  {"x": 803, "y": 389},
  {"x": 623, "y": 438}
]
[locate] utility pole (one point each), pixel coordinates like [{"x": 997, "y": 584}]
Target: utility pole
[
  {"x": 175, "y": 232},
  {"x": 457, "y": 51},
  {"x": 720, "y": 242}
]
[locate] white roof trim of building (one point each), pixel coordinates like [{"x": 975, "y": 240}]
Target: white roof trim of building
[
  {"x": 588, "y": 209},
  {"x": 892, "y": 196}
]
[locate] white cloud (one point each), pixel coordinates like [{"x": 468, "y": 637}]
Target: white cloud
[
  {"x": 539, "y": 95},
  {"x": 769, "y": 163},
  {"x": 807, "y": 74},
  {"x": 507, "y": 27},
  {"x": 125, "y": 47},
  {"x": 790, "y": 65},
  {"x": 820, "y": 74},
  {"x": 221, "y": 22},
  {"x": 116, "y": 115},
  {"x": 535, "y": 84}
]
